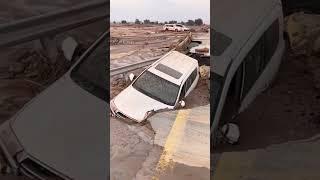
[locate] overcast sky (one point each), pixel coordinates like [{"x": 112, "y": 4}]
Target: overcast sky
[{"x": 160, "y": 10}]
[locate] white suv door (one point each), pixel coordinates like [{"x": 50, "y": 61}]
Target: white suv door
[{"x": 190, "y": 83}]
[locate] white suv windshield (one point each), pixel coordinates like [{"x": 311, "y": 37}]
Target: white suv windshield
[
  {"x": 90, "y": 73},
  {"x": 157, "y": 88}
]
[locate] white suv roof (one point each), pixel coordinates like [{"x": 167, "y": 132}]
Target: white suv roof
[
  {"x": 236, "y": 23},
  {"x": 174, "y": 67}
]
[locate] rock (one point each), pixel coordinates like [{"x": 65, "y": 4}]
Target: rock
[
  {"x": 296, "y": 31},
  {"x": 204, "y": 72},
  {"x": 304, "y": 32}
]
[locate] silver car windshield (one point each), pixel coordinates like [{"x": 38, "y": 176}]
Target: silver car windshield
[{"x": 157, "y": 88}]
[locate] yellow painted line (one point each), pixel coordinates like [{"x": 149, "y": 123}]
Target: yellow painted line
[{"x": 172, "y": 142}]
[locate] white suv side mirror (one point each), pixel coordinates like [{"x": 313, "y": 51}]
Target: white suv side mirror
[
  {"x": 231, "y": 132},
  {"x": 131, "y": 77},
  {"x": 182, "y": 103},
  {"x": 68, "y": 47}
]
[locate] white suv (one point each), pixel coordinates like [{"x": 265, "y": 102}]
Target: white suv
[
  {"x": 46, "y": 139},
  {"x": 175, "y": 27},
  {"x": 163, "y": 85},
  {"x": 247, "y": 56}
]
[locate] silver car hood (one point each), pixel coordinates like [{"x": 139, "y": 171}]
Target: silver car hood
[{"x": 65, "y": 127}]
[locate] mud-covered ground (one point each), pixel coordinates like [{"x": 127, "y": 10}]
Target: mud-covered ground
[
  {"x": 293, "y": 100},
  {"x": 138, "y": 150},
  {"x": 135, "y": 43},
  {"x": 289, "y": 110}
]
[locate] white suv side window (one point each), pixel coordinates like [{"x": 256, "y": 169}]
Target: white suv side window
[
  {"x": 259, "y": 56},
  {"x": 188, "y": 83}
]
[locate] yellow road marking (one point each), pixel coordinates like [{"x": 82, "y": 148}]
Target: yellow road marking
[{"x": 172, "y": 141}]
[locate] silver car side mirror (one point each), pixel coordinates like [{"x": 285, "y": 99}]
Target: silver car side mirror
[
  {"x": 182, "y": 103},
  {"x": 131, "y": 77}
]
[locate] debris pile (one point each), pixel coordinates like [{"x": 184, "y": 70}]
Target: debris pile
[
  {"x": 304, "y": 37},
  {"x": 304, "y": 33},
  {"x": 117, "y": 85},
  {"x": 28, "y": 73},
  {"x": 34, "y": 66},
  {"x": 204, "y": 29},
  {"x": 204, "y": 72}
]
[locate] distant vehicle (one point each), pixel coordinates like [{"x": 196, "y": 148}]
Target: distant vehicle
[
  {"x": 60, "y": 134},
  {"x": 247, "y": 54},
  {"x": 175, "y": 27},
  {"x": 163, "y": 85}
]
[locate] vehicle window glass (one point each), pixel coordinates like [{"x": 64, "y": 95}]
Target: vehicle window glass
[
  {"x": 194, "y": 75},
  {"x": 188, "y": 83},
  {"x": 183, "y": 92},
  {"x": 157, "y": 88},
  {"x": 216, "y": 85},
  {"x": 259, "y": 56},
  {"x": 90, "y": 73},
  {"x": 191, "y": 79},
  {"x": 252, "y": 67},
  {"x": 271, "y": 38},
  {"x": 169, "y": 71}
]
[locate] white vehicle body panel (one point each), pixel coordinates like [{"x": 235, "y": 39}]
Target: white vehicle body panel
[
  {"x": 67, "y": 136},
  {"x": 175, "y": 27},
  {"x": 266, "y": 12},
  {"x": 135, "y": 105},
  {"x": 177, "y": 61},
  {"x": 64, "y": 152}
]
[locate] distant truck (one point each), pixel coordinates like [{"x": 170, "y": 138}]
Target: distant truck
[{"x": 175, "y": 27}]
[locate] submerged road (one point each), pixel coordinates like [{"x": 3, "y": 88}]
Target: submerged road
[
  {"x": 186, "y": 145},
  {"x": 177, "y": 146}
]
